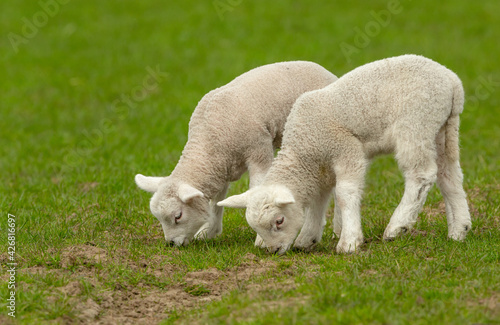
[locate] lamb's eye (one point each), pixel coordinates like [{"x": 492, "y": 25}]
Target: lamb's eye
[
  {"x": 280, "y": 221},
  {"x": 178, "y": 217}
]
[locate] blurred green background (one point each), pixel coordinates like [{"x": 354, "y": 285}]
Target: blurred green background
[{"x": 59, "y": 83}]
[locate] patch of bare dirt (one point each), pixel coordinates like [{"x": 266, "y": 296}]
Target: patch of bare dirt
[
  {"x": 73, "y": 288},
  {"x": 88, "y": 310},
  {"x": 145, "y": 303},
  {"x": 491, "y": 303},
  {"x": 40, "y": 270},
  {"x": 83, "y": 255},
  {"x": 141, "y": 304}
]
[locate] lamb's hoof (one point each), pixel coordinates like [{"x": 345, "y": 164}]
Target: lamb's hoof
[
  {"x": 391, "y": 233},
  {"x": 204, "y": 234},
  {"x": 304, "y": 248},
  {"x": 259, "y": 242},
  {"x": 306, "y": 244},
  {"x": 278, "y": 250},
  {"x": 459, "y": 233},
  {"x": 201, "y": 234},
  {"x": 349, "y": 247}
]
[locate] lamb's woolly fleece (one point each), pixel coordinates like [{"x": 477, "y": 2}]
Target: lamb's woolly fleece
[
  {"x": 234, "y": 128},
  {"x": 240, "y": 124},
  {"x": 408, "y": 105}
]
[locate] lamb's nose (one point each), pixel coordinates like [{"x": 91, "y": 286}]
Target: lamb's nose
[{"x": 170, "y": 243}]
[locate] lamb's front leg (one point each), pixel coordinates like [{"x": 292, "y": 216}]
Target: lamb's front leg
[
  {"x": 315, "y": 221},
  {"x": 213, "y": 227},
  {"x": 350, "y": 170},
  {"x": 257, "y": 173},
  {"x": 257, "y": 170},
  {"x": 348, "y": 195}
]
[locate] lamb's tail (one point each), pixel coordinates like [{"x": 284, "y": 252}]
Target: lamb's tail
[
  {"x": 452, "y": 124},
  {"x": 450, "y": 175}
]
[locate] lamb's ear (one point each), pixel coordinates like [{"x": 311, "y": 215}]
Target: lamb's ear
[
  {"x": 148, "y": 183},
  {"x": 283, "y": 196},
  {"x": 235, "y": 201},
  {"x": 187, "y": 193}
]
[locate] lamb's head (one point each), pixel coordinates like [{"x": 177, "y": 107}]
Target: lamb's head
[
  {"x": 181, "y": 209},
  {"x": 272, "y": 212}
]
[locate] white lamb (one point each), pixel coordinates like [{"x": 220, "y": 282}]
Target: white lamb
[
  {"x": 234, "y": 128},
  {"x": 408, "y": 105}
]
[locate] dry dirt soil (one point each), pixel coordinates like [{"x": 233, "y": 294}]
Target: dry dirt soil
[{"x": 82, "y": 265}]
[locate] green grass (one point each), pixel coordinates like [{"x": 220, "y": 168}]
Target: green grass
[{"x": 72, "y": 142}]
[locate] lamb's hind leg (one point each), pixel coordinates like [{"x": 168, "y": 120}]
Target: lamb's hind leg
[
  {"x": 449, "y": 181},
  {"x": 418, "y": 163}
]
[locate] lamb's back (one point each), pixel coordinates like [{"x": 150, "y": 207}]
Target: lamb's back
[
  {"x": 375, "y": 96},
  {"x": 258, "y": 101}
]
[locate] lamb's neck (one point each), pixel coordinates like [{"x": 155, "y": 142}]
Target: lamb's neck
[
  {"x": 202, "y": 170},
  {"x": 305, "y": 177}
]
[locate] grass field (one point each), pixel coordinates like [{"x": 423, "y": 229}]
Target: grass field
[{"x": 93, "y": 92}]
